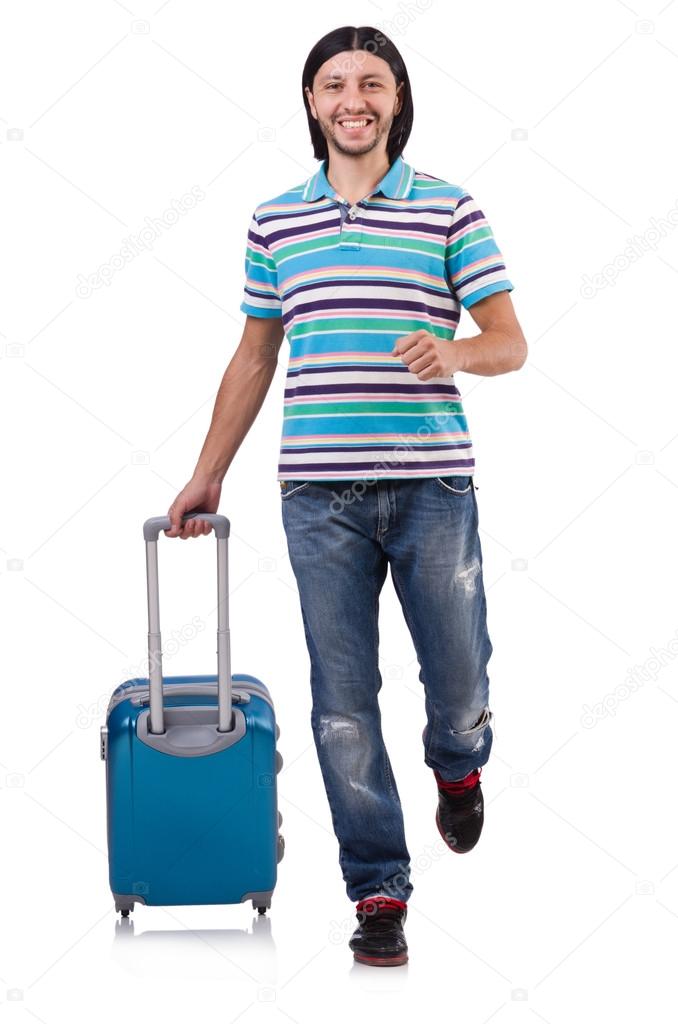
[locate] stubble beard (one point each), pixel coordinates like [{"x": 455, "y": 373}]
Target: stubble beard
[{"x": 382, "y": 129}]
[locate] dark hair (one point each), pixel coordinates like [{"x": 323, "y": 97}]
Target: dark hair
[{"x": 364, "y": 38}]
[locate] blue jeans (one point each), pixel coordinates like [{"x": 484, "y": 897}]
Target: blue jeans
[{"x": 341, "y": 536}]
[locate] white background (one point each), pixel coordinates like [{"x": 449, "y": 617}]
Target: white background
[{"x": 559, "y": 121}]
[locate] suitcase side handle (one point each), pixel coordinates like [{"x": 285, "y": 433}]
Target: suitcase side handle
[{"x": 152, "y": 528}]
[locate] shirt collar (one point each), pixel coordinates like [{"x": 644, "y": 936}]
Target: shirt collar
[{"x": 395, "y": 184}]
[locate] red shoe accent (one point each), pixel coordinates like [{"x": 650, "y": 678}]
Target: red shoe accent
[
  {"x": 457, "y": 785},
  {"x": 381, "y": 901}
]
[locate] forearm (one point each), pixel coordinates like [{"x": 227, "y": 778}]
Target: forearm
[
  {"x": 490, "y": 353},
  {"x": 242, "y": 392}
]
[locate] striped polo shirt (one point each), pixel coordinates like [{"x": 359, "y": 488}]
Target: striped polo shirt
[{"x": 348, "y": 281}]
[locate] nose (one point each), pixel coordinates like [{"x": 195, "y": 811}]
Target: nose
[{"x": 354, "y": 103}]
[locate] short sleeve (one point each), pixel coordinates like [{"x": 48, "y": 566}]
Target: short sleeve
[
  {"x": 474, "y": 265},
  {"x": 261, "y": 296}
]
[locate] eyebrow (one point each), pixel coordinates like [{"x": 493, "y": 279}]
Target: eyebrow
[{"x": 335, "y": 77}]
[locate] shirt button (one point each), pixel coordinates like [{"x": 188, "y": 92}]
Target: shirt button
[{"x": 351, "y": 214}]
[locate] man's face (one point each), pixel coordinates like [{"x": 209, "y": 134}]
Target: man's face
[{"x": 354, "y": 101}]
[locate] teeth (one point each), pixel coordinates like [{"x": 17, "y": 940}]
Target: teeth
[{"x": 353, "y": 124}]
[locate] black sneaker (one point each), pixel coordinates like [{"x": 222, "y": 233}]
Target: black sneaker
[
  {"x": 461, "y": 811},
  {"x": 379, "y": 939}
]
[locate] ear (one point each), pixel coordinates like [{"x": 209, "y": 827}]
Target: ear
[
  {"x": 309, "y": 96},
  {"x": 399, "y": 98}
]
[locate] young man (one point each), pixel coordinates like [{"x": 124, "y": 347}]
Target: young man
[{"x": 365, "y": 267}]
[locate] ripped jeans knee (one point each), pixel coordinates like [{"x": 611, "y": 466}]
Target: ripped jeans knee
[
  {"x": 479, "y": 726},
  {"x": 459, "y": 750}
]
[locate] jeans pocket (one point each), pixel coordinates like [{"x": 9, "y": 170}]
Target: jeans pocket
[
  {"x": 455, "y": 484},
  {"x": 288, "y": 488}
]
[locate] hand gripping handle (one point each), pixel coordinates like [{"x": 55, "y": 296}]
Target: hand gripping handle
[{"x": 153, "y": 526}]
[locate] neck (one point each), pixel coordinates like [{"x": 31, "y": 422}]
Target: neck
[{"x": 355, "y": 177}]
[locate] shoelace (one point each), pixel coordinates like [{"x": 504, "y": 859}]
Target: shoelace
[{"x": 379, "y": 922}]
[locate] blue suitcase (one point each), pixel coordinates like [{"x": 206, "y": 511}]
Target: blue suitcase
[{"x": 191, "y": 766}]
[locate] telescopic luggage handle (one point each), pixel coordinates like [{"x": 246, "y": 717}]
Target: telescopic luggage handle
[{"x": 152, "y": 528}]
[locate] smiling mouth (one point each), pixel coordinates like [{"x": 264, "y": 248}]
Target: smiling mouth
[{"x": 355, "y": 124}]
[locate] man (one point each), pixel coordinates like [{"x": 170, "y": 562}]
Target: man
[{"x": 365, "y": 267}]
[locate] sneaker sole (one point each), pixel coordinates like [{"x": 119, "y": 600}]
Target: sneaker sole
[{"x": 381, "y": 961}]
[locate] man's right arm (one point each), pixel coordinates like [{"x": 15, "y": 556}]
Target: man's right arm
[{"x": 241, "y": 394}]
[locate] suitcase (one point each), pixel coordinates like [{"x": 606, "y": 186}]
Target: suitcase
[{"x": 191, "y": 766}]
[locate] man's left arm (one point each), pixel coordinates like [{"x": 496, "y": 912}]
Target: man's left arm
[{"x": 500, "y": 346}]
